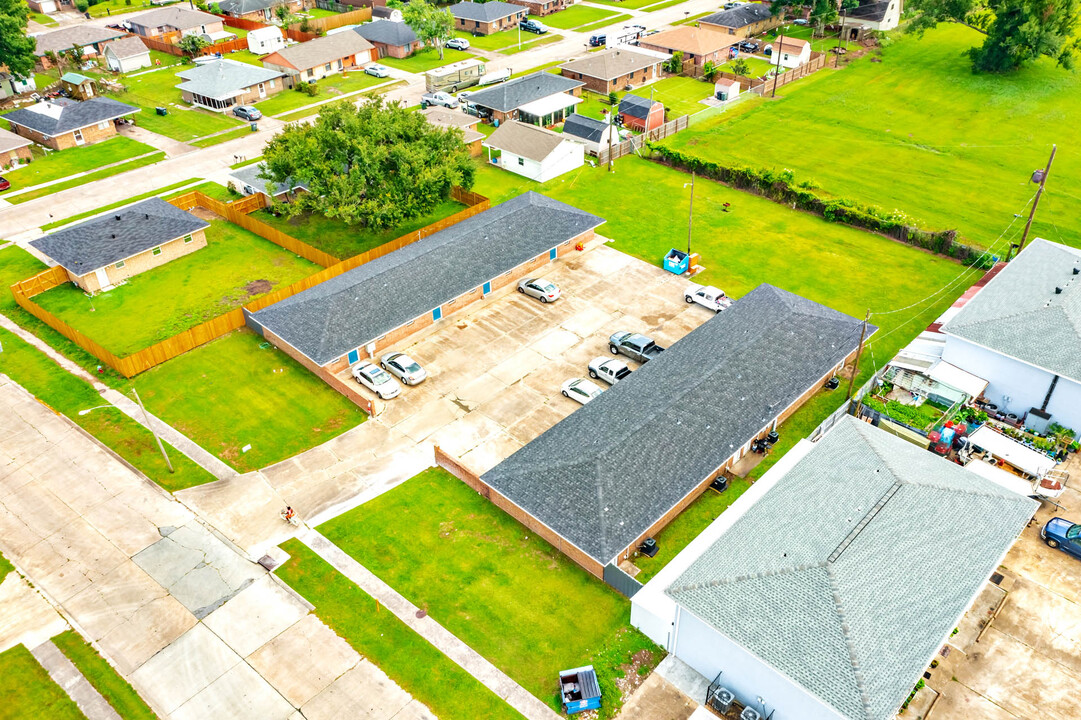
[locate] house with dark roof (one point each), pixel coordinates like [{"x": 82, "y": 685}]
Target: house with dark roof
[
  {"x": 485, "y": 18},
  {"x": 592, "y": 134},
  {"x": 374, "y": 306},
  {"x": 618, "y": 470},
  {"x": 63, "y": 123},
  {"x": 220, "y": 85},
  {"x": 641, "y": 114},
  {"x": 1021, "y": 332},
  {"x": 171, "y": 23},
  {"x": 127, "y": 54},
  {"x": 744, "y": 21},
  {"x": 393, "y": 39},
  {"x": 619, "y": 68},
  {"x": 872, "y": 15},
  {"x": 541, "y": 7},
  {"x": 91, "y": 39},
  {"x": 538, "y": 99},
  {"x": 102, "y": 252},
  {"x": 315, "y": 59},
  {"x": 823, "y": 592},
  {"x": 258, "y": 10},
  {"x": 248, "y": 182},
  {"x": 534, "y": 152}
]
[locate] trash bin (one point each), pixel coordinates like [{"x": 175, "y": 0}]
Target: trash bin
[
  {"x": 161, "y": 111},
  {"x": 254, "y": 127}
]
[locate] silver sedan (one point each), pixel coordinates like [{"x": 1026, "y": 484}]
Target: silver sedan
[
  {"x": 403, "y": 367},
  {"x": 539, "y": 288}
]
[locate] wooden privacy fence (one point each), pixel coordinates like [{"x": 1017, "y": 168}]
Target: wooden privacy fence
[
  {"x": 235, "y": 212},
  {"x": 637, "y": 142},
  {"x": 353, "y": 17},
  {"x": 227, "y": 46}
]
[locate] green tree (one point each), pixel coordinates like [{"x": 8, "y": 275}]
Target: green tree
[
  {"x": 378, "y": 165},
  {"x": 740, "y": 66},
  {"x": 710, "y": 70},
  {"x": 75, "y": 54},
  {"x": 674, "y": 64},
  {"x": 16, "y": 49},
  {"x": 192, "y": 44},
  {"x": 823, "y": 12},
  {"x": 434, "y": 26}
]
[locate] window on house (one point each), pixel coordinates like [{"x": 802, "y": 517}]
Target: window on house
[
  {"x": 78, "y": 136},
  {"x": 188, "y": 238},
  {"x": 156, "y": 251},
  {"x": 311, "y": 72},
  {"x": 119, "y": 265},
  {"x": 103, "y": 124},
  {"x": 327, "y": 67}
]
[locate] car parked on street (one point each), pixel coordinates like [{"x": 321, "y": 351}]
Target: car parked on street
[
  {"x": 611, "y": 370},
  {"x": 457, "y": 43},
  {"x": 580, "y": 390},
  {"x": 749, "y": 46},
  {"x": 439, "y": 99},
  {"x": 1064, "y": 535},
  {"x": 707, "y": 296},
  {"x": 403, "y": 367},
  {"x": 633, "y": 345},
  {"x": 247, "y": 112},
  {"x": 377, "y": 380},
  {"x": 530, "y": 25},
  {"x": 539, "y": 288},
  {"x": 377, "y": 70},
  {"x": 598, "y": 40},
  {"x": 5, "y": 184}
]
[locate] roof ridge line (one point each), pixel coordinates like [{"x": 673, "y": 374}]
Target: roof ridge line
[
  {"x": 857, "y": 672},
  {"x": 719, "y": 582}
]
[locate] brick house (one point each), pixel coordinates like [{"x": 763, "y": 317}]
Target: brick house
[
  {"x": 699, "y": 45},
  {"x": 335, "y": 324},
  {"x": 486, "y": 18},
  {"x": 170, "y": 23},
  {"x": 571, "y": 486},
  {"x": 616, "y": 69},
  {"x": 63, "y": 123},
  {"x": 91, "y": 39},
  {"x": 393, "y": 39},
  {"x": 101, "y": 253},
  {"x": 541, "y": 7},
  {"x": 223, "y": 84},
  {"x": 539, "y": 99},
  {"x": 318, "y": 58},
  {"x": 744, "y": 21},
  {"x": 258, "y": 10},
  {"x": 15, "y": 150},
  {"x": 444, "y": 118}
]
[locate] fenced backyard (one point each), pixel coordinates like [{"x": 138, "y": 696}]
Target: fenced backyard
[{"x": 637, "y": 142}]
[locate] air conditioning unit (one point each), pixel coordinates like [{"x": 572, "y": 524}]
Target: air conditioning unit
[
  {"x": 721, "y": 700},
  {"x": 749, "y": 713}
]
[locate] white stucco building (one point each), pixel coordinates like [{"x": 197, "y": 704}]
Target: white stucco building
[
  {"x": 534, "y": 152},
  {"x": 883, "y": 15}
]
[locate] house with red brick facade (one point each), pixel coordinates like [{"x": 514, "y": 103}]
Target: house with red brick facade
[
  {"x": 318, "y": 58},
  {"x": 541, "y": 7},
  {"x": 744, "y": 21},
  {"x": 486, "y": 18},
  {"x": 15, "y": 150},
  {"x": 699, "y": 45},
  {"x": 617, "y": 69},
  {"x": 62, "y": 123},
  {"x": 540, "y": 98},
  {"x": 258, "y": 10},
  {"x": 170, "y": 23},
  {"x": 87, "y": 37},
  {"x": 221, "y": 85}
]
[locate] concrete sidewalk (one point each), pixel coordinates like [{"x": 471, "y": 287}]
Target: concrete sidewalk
[{"x": 72, "y": 682}]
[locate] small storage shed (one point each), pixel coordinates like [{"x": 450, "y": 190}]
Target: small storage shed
[
  {"x": 265, "y": 40},
  {"x": 579, "y": 690},
  {"x": 77, "y": 86},
  {"x": 638, "y": 113},
  {"x": 726, "y": 89},
  {"x": 127, "y": 54},
  {"x": 594, "y": 134}
]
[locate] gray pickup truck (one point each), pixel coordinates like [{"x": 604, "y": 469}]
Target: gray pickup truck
[{"x": 635, "y": 346}]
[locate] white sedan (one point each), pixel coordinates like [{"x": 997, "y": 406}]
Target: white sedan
[
  {"x": 707, "y": 296},
  {"x": 377, "y": 70},
  {"x": 403, "y": 367},
  {"x": 378, "y": 381},
  {"x": 580, "y": 390},
  {"x": 539, "y": 288}
]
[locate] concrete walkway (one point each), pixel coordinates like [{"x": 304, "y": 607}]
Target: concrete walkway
[
  {"x": 78, "y": 688},
  {"x": 464, "y": 656},
  {"x": 170, "y": 147}
]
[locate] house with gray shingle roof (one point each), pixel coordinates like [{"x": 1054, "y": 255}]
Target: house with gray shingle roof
[
  {"x": 618, "y": 68},
  {"x": 102, "y": 252},
  {"x": 1022, "y": 333},
  {"x": 534, "y": 152},
  {"x": 174, "y": 20},
  {"x": 318, "y": 58},
  {"x": 220, "y": 85},
  {"x": 91, "y": 39},
  {"x": 823, "y": 592},
  {"x": 485, "y": 18},
  {"x": 593, "y": 134},
  {"x": 393, "y": 39},
  {"x": 744, "y": 21},
  {"x": 619, "y": 469},
  {"x": 257, "y": 10},
  {"x": 62, "y": 123},
  {"x": 539, "y": 99}
]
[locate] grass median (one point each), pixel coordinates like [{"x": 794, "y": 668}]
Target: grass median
[
  {"x": 120, "y": 695},
  {"x": 29, "y": 692}
]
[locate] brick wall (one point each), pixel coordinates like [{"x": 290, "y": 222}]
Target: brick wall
[
  {"x": 24, "y": 154},
  {"x": 599, "y": 85},
  {"x": 350, "y": 392},
  {"x": 142, "y": 262},
  {"x": 396, "y": 51},
  {"x": 487, "y": 28},
  {"x": 541, "y": 7},
  {"x": 90, "y": 134}
]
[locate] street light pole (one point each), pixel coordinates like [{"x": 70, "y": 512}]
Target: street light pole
[{"x": 146, "y": 418}]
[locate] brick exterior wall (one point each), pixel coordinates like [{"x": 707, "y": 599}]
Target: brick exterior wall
[
  {"x": 541, "y": 7},
  {"x": 250, "y": 96},
  {"x": 396, "y": 51},
  {"x": 479, "y": 27},
  {"x": 91, "y": 134},
  {"x": 142, "y": 262},
  {"x": 349, "y": 63},
  {"x": 324, "y": 374},
  {"x": 25, "y": 155},
  {"x": 602, "y": 86}
]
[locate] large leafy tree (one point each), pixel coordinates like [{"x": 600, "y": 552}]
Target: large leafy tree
[
  {"x": 1018, "y": 31},
  {"x": 16, "y": 49},
  {"x": 823, "y": 12},
  {"x": 378, "y": 165},
  {"x": 433, "y": 25}
]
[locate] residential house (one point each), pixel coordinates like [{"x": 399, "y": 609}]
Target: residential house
[
  {"x": 541, "y": 7},
  {"x": 100, "y": 253},
  {"x": 880, "y": 16},
  {"x": 77, "y": 86},
  {"x": 331, "y": 326},
  {"x": 534, "y": 152},
  {"x": 485, "y": 18},
  {"x": 593, "y": 134},
  {"x": 620, "y": 68},
  {"x": 699, "y": 45},
  {"x": 63, "y": 123},
  {"x": 726, "y": 89},
  {"x": 539, "y": 99},
  {"x": 127, "y": 55},
  {"x": 318, "y": 58},
  {"x": 382, "y": 12},
  {"x": 1022, "y": 333},
  {"x": 91, "y": 39},
  {"x": 14, "y": 149},
  {"x": 47, "y": 7},
  {"x": 265, "y": 40},
  {"x": 12, "y": 85},
  {"x": 258, "y": 10},
  {"x": 220, "y": 85},
  {"x": 393, "y": 39},
  {"x": 444, "y": 118},
  {"x": 618, "y": 470},
  {"x": 743, "y": 21},
  {"x": 171, "y": 23},
  {"x": 641, "y": 114},
  {"x": 822, "y": 593},
  {"x": 794, "y": 52},
  {"x": 248, "y": 182}
]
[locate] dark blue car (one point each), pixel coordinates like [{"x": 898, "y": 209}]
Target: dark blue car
[{"x": 1064, "y": 535}]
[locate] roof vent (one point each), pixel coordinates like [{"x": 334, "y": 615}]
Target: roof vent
[
  {"x": 147, "y": 215},
  {"x": 114, "y": 236},
  {"x": 1076, "y": 270},
  {"x": 1058, "y": 291},
  {"x": 117, "y": 217}
]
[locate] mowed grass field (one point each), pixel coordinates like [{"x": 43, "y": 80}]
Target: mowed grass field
[{"x": 920, "y": 133}]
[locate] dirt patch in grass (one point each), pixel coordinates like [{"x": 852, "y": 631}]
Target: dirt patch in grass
[
  {"x": 203, "y": 214},
  {"x": 258, "y": 287}
]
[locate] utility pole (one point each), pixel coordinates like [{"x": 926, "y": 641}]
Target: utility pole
[
  {"x": 859, "y": 351},
  {"x": 780, "y": 39},
  {"x": 1035, "y": 203},
  {"x": 146, "y": 419},
  {"x": 690, "y": 217},
  {"x": 611, "y": 129},
  {"x": 844, "y": 13}
]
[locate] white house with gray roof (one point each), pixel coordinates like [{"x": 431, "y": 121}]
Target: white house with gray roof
[
  {"x": 220, "y": 85},
  {"x": 823, "y": 592},
  {"x": 534, "y": 152},
  {"x": 538, "y": 99},
  {"x": 1022, "y": 333}
]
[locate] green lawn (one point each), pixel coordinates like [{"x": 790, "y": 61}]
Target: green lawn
[
  {"x": 329, "y": 88},
  {"x": 115, "y": 689},
  {"x": 75, "y": 218},
  {"x": 693, "y": 18},
  {"x": 662, "y": 5},
  {"x": 223, "y": 137},
  {"x": 505, "y": 592},
  {"x": 116, "y": 7},
  {"x": 630, "y": 4},
  {"x": 5, "y": 568},
  {"x": 235, "y": 267},
  {"x": 319, "y": 13},
  {"x": 406, "y": 657},
  {"x": 680, "y": 96},
  {"x": 603, "y": 23},
  {"x": 43, "y": 19},
  {"x": 496, "y": 41},
  {"x": 344, "y": 241},
  {"x": 88, "y": 178},
  {"x": 543, "y": 40},
  {"x": 425, "y": 60},
  {"x": 234, "y": 392},
  {"x": 552, "y": 67},
  {"x": 64, "y": 163},
  {"x": 818, "y": 44},
  {"x": 756, "y": 67},
  {"x": 210, "y": 189},
  {"x": 245, "y": 56},
  {"x": 29, "y": 692},
  {"x": 594, "y": 105},
  {"x": 183, "y": 122},
  {"x": 575, "y": 16},
  {"x": 920, "y": 133}
]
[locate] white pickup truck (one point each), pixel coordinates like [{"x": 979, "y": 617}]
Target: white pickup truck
[{"x": 707, "y": 296}]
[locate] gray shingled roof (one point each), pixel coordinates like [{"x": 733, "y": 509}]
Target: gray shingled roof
[
  {"x": 358, "y": 306},
  {"x": 117, "y": 235},
  {"x": 738, "y": 17},
  {"x": 583, "y": 127},
  {"x": 181, "y": 18},
  {"x": 323, "y": 50},
  {"x": 605, "y": 474},
  {"x": 222, "y": 78},
  {"x": 387, "y": 32},
  {"x": 69, "y": 115},
  {"x": 484, "y": 11},
  {"x": 1019, "y": 314},
  {"x": 850, "y": 572},
  {"x": 635, "y": 106},
  {"x": 127, "y": 47},
  {"x": 242, "y": 7},
  {"x": 872, "y": 12},
  {"x": 611, "y": 64},
  {"x": 249, "y": 175},
  {"x": 10, "y": 141},
  {"x": 521, "y": 91},
  {"x": 525, "y": 140},
  {"x": 81, "y": 35}
]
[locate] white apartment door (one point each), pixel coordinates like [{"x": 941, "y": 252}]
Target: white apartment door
[
  {"x": 103, "y": 278},
  {"x": 262, "y": 90}
]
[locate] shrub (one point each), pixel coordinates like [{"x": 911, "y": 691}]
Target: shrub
[
  {"x": 309, "y": 89},
  {"x": 82, "y": 5},
  {"x": 710, "y": 70},
  {"x": 613, "y": 98}
]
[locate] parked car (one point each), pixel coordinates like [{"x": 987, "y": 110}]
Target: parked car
[
  {"x": 440, "y": 99},
  {"x": 539, "y": 288},
  {"x": 530, "y": 25},
  {"x": 403, "y": 367},
  {"x": 377, "y": 70},
  {"x": 580, "y": 390},
  {"x": 457, "y": 44},
  {"x": 610, "y": 370},
  {"x": 5, "y": 184},
  {"x": 749, "y": 46},
  {"x": 1062, "y": 534},
  {"x": 598, "y": 40},
  {"x": 247, "y": 112},
  {"x": 707, "y": 296},
  {"x": 633, "y": 345},
  {"x": 801, "y": 21},
  {"x": 376, "y": 380}
]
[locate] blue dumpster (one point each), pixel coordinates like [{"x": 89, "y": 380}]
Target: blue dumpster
[
  {"x": 579, "y": 690},
  {"x": 677, "y": 261}
]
